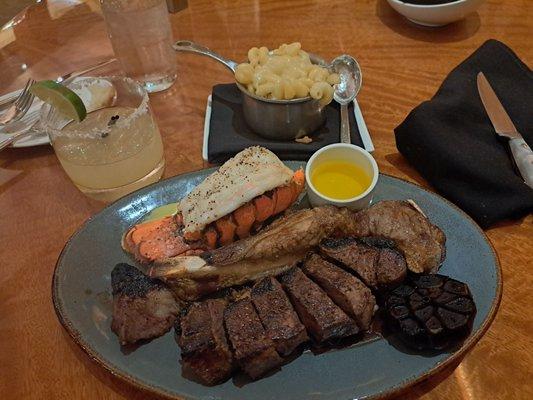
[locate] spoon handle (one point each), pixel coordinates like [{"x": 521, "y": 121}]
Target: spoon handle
[
  {"x": 191, "y": 47},
  {"x": 345, "y": 125}
]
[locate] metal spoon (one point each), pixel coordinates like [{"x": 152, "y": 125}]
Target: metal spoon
[
  {"x": 191, "y": 47},
  {"x": 345, "y": 92}
]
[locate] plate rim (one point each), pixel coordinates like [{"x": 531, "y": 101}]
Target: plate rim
[{"x": 97, "y": 358}]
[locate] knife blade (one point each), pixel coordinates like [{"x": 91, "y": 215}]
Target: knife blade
[{"x": 503, "y": 125}]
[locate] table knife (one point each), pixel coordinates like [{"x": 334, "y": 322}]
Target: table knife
[{"x": 504, "y": 127}]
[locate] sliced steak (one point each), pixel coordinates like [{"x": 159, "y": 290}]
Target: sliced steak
[
  {"x": 143, "y": 308},
  {"x": 253, "y": 350},
  {"x": 348, "y": 292},
  {"x": 322, "y": 318},
  {"x": 375, "y": 260},
  {"x": 359, "y": 258},
  {"x": 204, "y": 348},
  {"x": 391, "y": 268},
  {"x": 277, "y": 315}
]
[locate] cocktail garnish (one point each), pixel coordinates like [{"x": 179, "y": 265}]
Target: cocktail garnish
[{"x": 60, "y": 97}]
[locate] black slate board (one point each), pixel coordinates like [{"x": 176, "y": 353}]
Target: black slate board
[{"x": 229, "y": 133}]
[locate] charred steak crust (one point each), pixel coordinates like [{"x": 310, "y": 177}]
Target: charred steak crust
[
  {"x": 143, "y": 308},
  {"x": 333, "y": 243},
  {"x": 279, "y": 319},
  {"x": 347, "y": 291},
  {"x": 391, "y": 268},
  {"x": 128, "y": 280},
  {"x": 181, "y": 314},
  {"x": 253, "y": 350},
  {"x": 379, "y": 242},
  {"x": 370, "y": 241},
  {"x": 350, "y": 253},
  {"x": 323, "y": 319},
  {"x": 202, "y": 339},
  {"x": 375, "y": 260}
]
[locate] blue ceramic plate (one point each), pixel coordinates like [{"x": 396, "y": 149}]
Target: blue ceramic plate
[{"x": 82, "y": 299}]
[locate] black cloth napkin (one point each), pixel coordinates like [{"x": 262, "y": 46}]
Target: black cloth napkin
[
  {"x": 229, "y": 134},
  {"x": 452, "y": 143}
]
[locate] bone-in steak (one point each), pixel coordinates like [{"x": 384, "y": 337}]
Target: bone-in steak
[
  {"x": 143, "y": 308},
  {"x": 284, "y": 242},
  {"x": 277, "y": 315},
  {"x": 253, "y": 350},
  {"x": 204, "y": 349},
  {"x": 348, "y": 292},
  {"x": 322, "y": 318}
]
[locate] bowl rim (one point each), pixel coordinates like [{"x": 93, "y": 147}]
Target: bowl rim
[
  {"x": 354, "y": 147},
  {"x": 430, "y": 6},
  {"x": 273, "y": 101}
]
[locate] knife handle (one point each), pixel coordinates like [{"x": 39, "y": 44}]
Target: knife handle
[{"x": 523, "y": 156}]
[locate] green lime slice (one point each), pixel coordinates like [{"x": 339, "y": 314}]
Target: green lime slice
[{"x": 61, "y": 97}]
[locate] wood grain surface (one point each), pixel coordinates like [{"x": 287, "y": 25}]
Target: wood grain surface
[{"x": 402, "y": 64}]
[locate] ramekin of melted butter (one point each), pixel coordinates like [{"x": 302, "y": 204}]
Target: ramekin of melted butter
[
  {"x": 343, "y": 175},
  {"x": 340, "y": 180}
]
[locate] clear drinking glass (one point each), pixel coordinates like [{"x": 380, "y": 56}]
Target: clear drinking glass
[
  {"x": 141, "y": 37},
  {"x": 117, "y": 148}
]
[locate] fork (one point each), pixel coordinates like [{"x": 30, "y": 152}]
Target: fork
[
  {"x": 20, "y": 107},
  {"x": 63, "y": 79},
  {"x": 32, "y": 122}
]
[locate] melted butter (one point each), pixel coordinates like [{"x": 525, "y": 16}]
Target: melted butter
[
  {"x": 340, "y": 180},
  {"x": 160, "y": 212}
]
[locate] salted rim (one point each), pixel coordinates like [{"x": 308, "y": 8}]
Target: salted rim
[
  {"x": 97, "y": 134},
  {"x": 139, "y": 384}
]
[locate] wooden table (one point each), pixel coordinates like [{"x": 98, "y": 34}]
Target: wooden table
[{"x": 402, "y": 64}]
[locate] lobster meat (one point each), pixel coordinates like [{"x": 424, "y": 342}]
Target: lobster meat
[{"x": 167, "y": 237}]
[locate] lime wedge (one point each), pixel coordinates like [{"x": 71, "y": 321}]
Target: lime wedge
[{"x": 61, "y": 97}]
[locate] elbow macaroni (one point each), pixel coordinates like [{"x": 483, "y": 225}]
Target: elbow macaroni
[
  {"x": 322, "y": 91},
  {"x": 285, "y": 73}
]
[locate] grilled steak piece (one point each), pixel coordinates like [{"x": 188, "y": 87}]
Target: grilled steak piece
[
  {"x": 391, "y": 268},
  {"x": 359, "y": 258},
  {"x": 375, "y": 260},
  {"x": 277, "y": 315},
  {"x": 348, "y": 292},
  {"x": 421, "y": 242},
  {"x": 204, "y": 348},
  {"x": 253, "y": 350},
  {"x": 322, "y": 318},
  {"x": 143, "y": 308}
]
